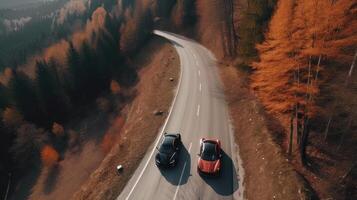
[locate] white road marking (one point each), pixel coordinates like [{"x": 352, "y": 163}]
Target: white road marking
[
  {"x": 199, "y": 72},
  {"x": 194, "y": 55},
  {"x": 183, "y": 170},
  {"x": 197, "y": 63},
  {"x": 198, "y": 110},
  {"x": 158, "y": 137},
  {"x": 200, "y": 87}
]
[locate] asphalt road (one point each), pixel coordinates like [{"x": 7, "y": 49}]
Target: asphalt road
[{"x": 199, "y": 110}]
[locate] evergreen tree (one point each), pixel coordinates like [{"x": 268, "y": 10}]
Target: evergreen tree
[
  {"x": 25, "y": 99},
  {"x": 50, "y": 92},
  {"x": 4, "y": 99},
  {"x": 91, "y": 75},
  {"x": 74, "y": 74}
]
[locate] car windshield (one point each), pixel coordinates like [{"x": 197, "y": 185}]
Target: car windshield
[
  {"x": 209, "y": 151},
  {"x": 167, "y": 145}
]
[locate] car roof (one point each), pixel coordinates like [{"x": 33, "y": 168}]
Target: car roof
[{"x": 209, "y": 147}]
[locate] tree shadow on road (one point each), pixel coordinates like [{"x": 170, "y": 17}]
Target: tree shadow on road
[
  {"x": 227, "y": 182},
  {"x": 181, "y": 171},
  {"x": 51, "y": 180}
]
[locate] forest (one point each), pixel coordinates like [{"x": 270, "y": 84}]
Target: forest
[
  {"x": 298, "y": 58},
  {"x": 304, "y": 76},
  {"x": 37, "y": 27},
  {"x": 52, "y": 88}
]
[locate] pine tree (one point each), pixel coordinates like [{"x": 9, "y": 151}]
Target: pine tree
[
  {"x": 25, "y": 99},
  {"x": 50, "y": 92},
  {"x": 4, "y": 98},
  {"x": 74, "y": 74}
]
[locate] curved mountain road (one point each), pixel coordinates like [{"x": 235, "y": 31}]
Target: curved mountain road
[{"x": 199, "y": 110}]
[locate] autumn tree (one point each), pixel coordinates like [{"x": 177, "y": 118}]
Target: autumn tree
[
  {"x": 49, "y": 156},
  {"x": 303, "y": 38},
  {"x": 276, "y": 65},
  {"x": 114, "y": 87},
  {"x": 11, "y": 117}
]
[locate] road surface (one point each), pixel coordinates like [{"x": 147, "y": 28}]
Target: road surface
[{"x": 198, "y": 110}]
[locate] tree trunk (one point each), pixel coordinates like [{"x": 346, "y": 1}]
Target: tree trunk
[
  {"x": 291, "y": 134},
  {"x": 304, "y": 141},
  {"x": 345, "y": 132},
  {"x": 327, "y": 127},
  {"x": 351, "y": 69}
]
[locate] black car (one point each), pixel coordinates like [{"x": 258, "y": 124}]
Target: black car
[{"x": 169, "y": 150}]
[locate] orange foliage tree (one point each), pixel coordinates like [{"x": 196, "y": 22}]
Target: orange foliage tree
[
  {"x": 304, "y": 38},
  {"x": 114, "y": 87},
  {"x": 11, "y": 117},
  {"x": 301, "y": 36},
  {"x": 49, "y": 156}
]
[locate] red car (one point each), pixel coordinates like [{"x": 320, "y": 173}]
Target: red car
[{"x": 209, "y": 158}]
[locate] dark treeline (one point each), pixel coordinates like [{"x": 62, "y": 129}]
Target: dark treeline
[
  {"x": 31, "y": 108},
  {"x": 254, "y": 22},
  {"x": 16, "y": 46}
]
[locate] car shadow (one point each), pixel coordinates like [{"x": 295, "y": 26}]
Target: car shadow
[
  {"x": 227, "y": 182},
  {"x": 182, "y": 170}
]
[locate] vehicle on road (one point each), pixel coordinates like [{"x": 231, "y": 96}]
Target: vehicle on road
[
  {"x": 209, "y": 157},
  {"x": 168, "y": 150}
]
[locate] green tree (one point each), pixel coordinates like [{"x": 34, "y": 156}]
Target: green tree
[
  {"x": 4, "y": 99},
  {"x": 74, "y": 74},
  {"x": 25, "y": 99},
  {"x": 51, "y": 94}
]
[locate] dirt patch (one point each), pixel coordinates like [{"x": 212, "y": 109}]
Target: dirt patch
[
  {"x": 158, "y": 62},
  {"x": 268, "y": 174}
]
